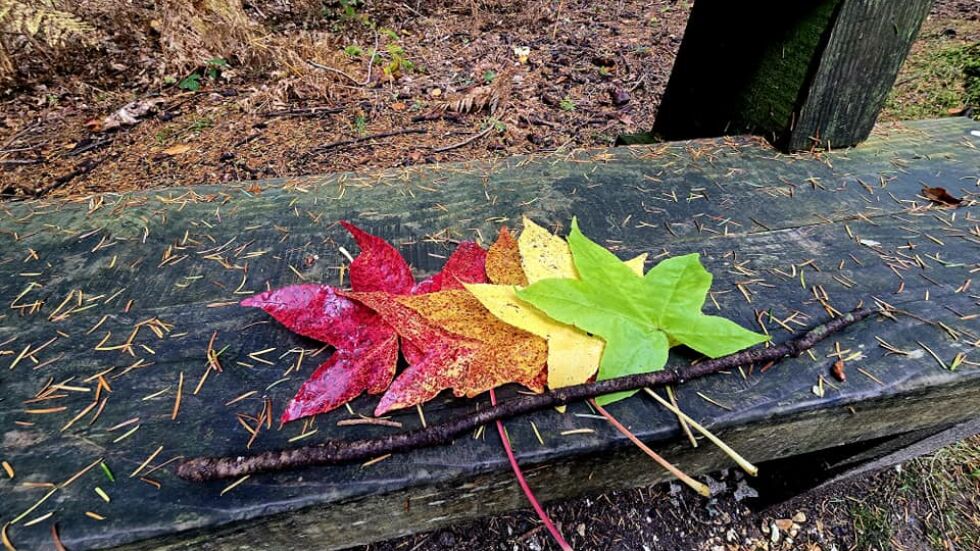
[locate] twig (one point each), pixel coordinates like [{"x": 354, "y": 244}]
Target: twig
[
  {"x": 698, "y": 487},
  {"x": 341, "y": 143},
  {"x": 467, "y": 141},
  {"x": 680, "y": 418},
  {"x": 745, "y": 465},
  {"x": 304, "y": 112},
  {"x": 81, "y": 169},
  {"x": 346, "y": 451},
  {"x": 21, "y": 161}
]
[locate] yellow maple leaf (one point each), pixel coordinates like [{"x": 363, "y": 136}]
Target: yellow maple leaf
[{"x": 573, "y": 355}]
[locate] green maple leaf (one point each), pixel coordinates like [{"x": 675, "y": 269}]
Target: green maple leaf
[{"x": 638, "y": 317}]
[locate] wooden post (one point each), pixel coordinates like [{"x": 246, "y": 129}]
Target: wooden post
[{"x": 805, "y": 74}]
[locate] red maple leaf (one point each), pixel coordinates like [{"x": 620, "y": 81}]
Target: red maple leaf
[{"x": 366, "y": 348}]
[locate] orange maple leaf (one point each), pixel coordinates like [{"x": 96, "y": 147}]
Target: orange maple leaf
[{"x": 451, "y": 341}]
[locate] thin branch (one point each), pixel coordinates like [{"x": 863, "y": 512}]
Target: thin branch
[
  {"x": 680, "y": 417},
  {"x": 467, "y": 141},
  {"x": 698, "y": 487},
  {"x": 333, "y": 145},
  {"x": 346, "y": 451},
  {"x": 742, "y": 462}
]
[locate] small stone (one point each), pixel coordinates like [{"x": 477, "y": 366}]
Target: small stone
[
  {"x": 435, "y": 92},
  {"x": 784, "y": 524},
  {"x": 799, "y": 517},
  {"x": 619, "y": 97},
  {"x": 446, "y": 539},
  {"x": 581, "y": 530},
  {"x": 774, "y": 533}
]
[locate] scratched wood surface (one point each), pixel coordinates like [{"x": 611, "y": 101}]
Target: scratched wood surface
[{"x": 129, "y": 292}]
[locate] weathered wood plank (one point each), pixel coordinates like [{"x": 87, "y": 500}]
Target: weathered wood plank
[
  {"x": 759, "y": 219},
  {"x": 803, "y": 74}
]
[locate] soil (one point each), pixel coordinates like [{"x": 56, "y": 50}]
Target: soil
[
  {"x": 593, "y": 71},
  {"x": 928, "y": 503}
]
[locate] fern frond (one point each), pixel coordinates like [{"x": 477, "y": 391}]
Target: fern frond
[{"x": 44, "y": 20}]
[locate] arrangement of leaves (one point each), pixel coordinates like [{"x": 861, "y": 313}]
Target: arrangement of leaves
[{"x": 538, "y": 311}]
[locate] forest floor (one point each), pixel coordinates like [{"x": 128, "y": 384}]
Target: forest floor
[
  {"x": 447, "y": 83},
  {"x": 389, "y": 84}
]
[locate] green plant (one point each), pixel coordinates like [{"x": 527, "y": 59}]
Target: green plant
[
  {"x": 872, "y": 527},
  {"x": 489, "y": 76},
  {"x": 353, "y": 50},
  {"x": 348, "y": 8},
  {"x": 211, "y": 70},
  {"x": 360, "y": 124},
  {"x": 165, "y": 134},
  {"x": 200, "y": 124},
  {"x": 388, "y": 33},
  {"x": 971, "y": 74},
  {"x": 566, "y": 104},
  {"x": 398, "y": 63},
  {"x": 191, "y": 82},
  {"x": 214, "y": 66},
  {"x": 498, "y": 125},
  {"x": 940, "y": 75}
]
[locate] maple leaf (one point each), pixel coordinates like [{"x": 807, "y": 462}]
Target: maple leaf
[
  {"x": 636, "y": 316},
  {"x": 366, "y": 347},
  {"x": 573, "y": 355},
  {"x": 453, "y": 342},
  {"x": 503, "y": 264},
  {"x": 465, "y": 265},
  {"x": 380, "y": 267},
  {"x": 546, "y": 256}
]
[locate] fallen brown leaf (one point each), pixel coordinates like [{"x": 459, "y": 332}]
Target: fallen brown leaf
[
  {"x": 940, "y": 196},
  {"x": 177, "y": 149}
]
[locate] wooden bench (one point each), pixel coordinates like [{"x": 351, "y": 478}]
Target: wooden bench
[{"x": 787, "y": 237}]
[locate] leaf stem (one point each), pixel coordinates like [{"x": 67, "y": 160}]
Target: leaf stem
[
  {"x": 545, "y": 519},
  {"x": 681, "y": 475},
  {"x": 680, "y": 419},
  {"x": 742, "y": 462}
]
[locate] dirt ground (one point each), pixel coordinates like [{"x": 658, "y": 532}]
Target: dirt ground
[
  {"x": 931, "y": 503},
  {"x": 301, "y": 92},
  {"x": 592, "y": 71},
  {"x": 289, "y": 92}
]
